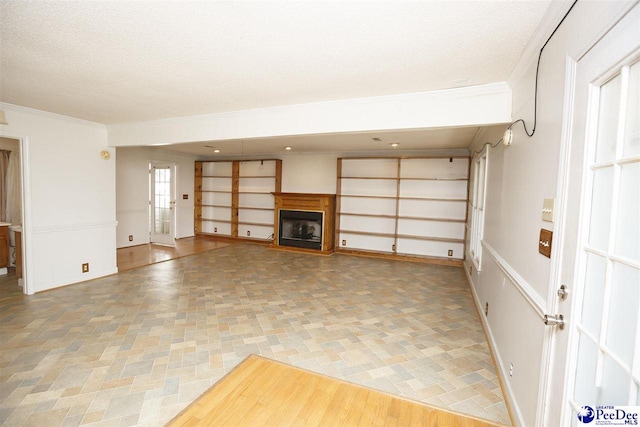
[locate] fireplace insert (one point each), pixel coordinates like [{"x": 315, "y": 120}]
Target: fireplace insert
[{"x": 301, "y": 229}]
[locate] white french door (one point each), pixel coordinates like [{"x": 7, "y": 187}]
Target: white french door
[
  {"x": 597, "y": 361},
  {"x": 162, "y": 203}
]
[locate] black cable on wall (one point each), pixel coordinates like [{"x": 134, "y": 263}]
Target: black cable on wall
[{"x": 535, "y": 91}]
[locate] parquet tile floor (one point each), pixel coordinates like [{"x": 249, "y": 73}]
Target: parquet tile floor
[{"x": 137, "y": 347}]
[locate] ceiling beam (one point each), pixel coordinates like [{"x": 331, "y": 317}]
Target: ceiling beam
[{"x": 470, "y": 106}]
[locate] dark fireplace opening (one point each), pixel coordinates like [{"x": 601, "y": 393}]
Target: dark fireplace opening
[{"x": 301, "y": 229}]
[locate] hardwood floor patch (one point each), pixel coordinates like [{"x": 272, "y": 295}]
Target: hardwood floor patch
[{"x": 263, "y": 392}]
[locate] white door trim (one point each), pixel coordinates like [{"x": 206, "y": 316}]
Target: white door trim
[
  {"x": 25, "y": 172},
  {"x": 549, "y": 341}
]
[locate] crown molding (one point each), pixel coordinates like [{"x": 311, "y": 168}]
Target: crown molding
[{"x": 18, "y": 108}]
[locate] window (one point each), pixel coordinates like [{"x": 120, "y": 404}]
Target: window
[{"x": 477, "y": 199}]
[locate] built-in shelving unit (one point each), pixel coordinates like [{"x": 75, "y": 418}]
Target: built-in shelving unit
[
  {"x": 234, "y": 198},
  {"x": 413, "y": 207},
  {"x": 213, "y": 204}
]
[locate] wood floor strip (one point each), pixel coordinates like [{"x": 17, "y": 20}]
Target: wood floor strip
[
  {"x": 263, "y": 392},
  {"x": 141, "y": 255}
]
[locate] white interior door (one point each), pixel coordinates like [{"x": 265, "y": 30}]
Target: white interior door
[
  {"x": 596, "y": 360},
  {"x": 162, "y": 204}
]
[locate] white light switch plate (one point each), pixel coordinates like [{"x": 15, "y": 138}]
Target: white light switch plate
[{"x": 547, "y": 209}]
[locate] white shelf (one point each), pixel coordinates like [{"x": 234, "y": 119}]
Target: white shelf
[
  {"x": 416, "y": 205},
  {"x": 257, "y": 185},
  {"x": 217, "y": 169},
  {"x": 387, "y": 168},
  {"x": 257, "y": 231},
  {"x": 234, "y": 197},
  {"x": 216, "y": 184},
  {"x": 211, "y": 198},
  {"x": 384, "y": 225},
  {"x": 263, "y": 216},
  {"x": 440, "y": 168},
  {"x": 366, "y": 242},
  {"x": 216, "y": 227},
  {"x": 216, "y": 213}
]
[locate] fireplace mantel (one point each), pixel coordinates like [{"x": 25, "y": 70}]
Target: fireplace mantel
[{"x": 307, "y": 202}]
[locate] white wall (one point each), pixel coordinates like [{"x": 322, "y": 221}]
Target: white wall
[
  {"x": 132, "y": 178},
  {"x": 515, "y": 279},
  {"x": 70, "y": 197},
  {"x": 309, "y": 173}
]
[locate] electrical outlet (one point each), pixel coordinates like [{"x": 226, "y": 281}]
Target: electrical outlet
[
  {"x": 215, "y": 229},
  {"x": 248, "y": 233},
  {"x": 344, "y": 243},
  {"x": 131, "y": 237},
  {"x": 450, "y": 252},
  {"x": 85, "y": 267},
  {"x": 486, "y": 309},
  {"x": 511, "y": 369}
]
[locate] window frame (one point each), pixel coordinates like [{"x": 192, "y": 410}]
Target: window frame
[{"x": 477, "y": 200}]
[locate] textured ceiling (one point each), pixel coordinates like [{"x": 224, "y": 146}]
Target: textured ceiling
[{"x": 127, "y": 61}]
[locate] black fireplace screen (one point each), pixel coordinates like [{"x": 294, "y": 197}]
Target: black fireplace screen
[{"x": 301, "y": 229}]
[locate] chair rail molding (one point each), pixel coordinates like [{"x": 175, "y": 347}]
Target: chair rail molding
[
  {"x": 73, "y": 227},
  {"x": 527, "y": 291}
]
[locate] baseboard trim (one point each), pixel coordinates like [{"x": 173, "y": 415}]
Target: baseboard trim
[
  {"x": 402, "y": 257},
  {"x": 77, "y": 280},
  {"x": 512, "y": 408}
]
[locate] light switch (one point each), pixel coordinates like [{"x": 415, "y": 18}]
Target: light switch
[
  {"x": 547, "y": 209},
  {"x": 544, "y": 245}
]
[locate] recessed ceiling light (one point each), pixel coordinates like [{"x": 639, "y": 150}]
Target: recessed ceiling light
[
  {"x": 287, "y": 148},
  {"x": 394, "y": 145},
  {"x": 216, "y": 151}
]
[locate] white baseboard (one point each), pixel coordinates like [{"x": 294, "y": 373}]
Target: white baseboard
[{"x": 511, "y": 402}]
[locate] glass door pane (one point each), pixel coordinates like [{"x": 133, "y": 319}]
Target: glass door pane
[{"x": 162, "y": 203}]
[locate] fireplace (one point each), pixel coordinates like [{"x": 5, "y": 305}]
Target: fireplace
[
  {"x": 305, "y": 222},
  {"x": 301, "y": 229}
]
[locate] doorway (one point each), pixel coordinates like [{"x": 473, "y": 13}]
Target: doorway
[
  {"x": 12, "y": 198},
  {"x": 162, "y": 213}
]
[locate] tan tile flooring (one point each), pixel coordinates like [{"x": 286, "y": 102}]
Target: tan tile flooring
[{"x": 137, "y": 347}]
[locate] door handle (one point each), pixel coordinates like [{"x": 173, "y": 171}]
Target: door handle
[
  {"x": 562, "y": 292},
  {"x": 554, "y": 320}
]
